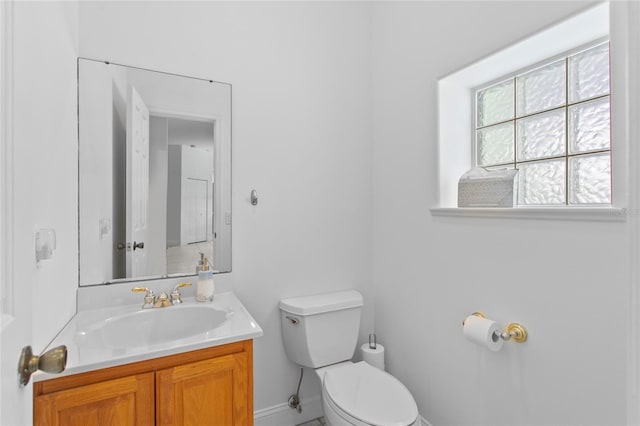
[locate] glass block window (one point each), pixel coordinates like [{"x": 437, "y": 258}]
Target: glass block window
[{"x": 552, "y": 123}]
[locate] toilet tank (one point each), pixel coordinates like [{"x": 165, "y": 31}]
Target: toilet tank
[{"x": 321, "y": 330}]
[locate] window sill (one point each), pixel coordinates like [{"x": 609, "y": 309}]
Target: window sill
[{"x": 598, "y": 214}]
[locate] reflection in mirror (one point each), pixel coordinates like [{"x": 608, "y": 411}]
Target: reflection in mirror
[{"x": 154, "y": 173}]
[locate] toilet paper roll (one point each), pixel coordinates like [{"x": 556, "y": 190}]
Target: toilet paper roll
[
  {"x": 483, "y": 332},
  {"x": 373, "y": 357}
]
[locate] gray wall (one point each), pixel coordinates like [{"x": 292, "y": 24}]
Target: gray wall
[
  {"x": 174, "y": 195},
  {"x": 158, "y": 181}
]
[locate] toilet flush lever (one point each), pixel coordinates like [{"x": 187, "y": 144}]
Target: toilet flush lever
[{"x": 293, "y": 320}]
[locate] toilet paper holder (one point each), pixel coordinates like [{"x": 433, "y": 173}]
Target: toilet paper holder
[{"x": 513, "y": 331}]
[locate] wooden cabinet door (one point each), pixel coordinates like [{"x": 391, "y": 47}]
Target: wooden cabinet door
[
  {"x": 125, "y": 401},
  {"x": 211, "y": 392}
]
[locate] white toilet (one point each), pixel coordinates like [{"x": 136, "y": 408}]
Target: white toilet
[{"x": 321, "y": 332}]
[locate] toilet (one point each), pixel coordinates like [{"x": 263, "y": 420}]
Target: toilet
[{"x": 321, "y": 332}]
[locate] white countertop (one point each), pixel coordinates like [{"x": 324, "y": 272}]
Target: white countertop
[{"x": 85, "y": 354}]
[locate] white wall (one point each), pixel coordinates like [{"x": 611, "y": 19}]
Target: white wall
[
  {"x": 96, "y": 169},
  {"x": 46, "y": 159},
  {"x": 301, "y": 137},
  {"x": 566, "y": 281},
  {"x": 303, "y": 126}
]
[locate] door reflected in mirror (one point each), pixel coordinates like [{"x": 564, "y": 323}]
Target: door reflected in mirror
[{"x": 154, "y": 173}]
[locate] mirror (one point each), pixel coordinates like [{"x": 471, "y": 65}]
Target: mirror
[{"x": 154, "y": 173}]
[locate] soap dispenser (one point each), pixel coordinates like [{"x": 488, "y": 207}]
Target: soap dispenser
[
  {"x": 200, "y": 263},
  {"x": 206, "y": 287}
]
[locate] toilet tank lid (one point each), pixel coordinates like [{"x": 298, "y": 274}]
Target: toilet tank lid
[{"x": 320, "y": 303}]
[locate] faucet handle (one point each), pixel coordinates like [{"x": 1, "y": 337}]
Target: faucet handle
[
  {"x": 176, "y": 297},
  {"x": 149, "y": 297},
  {"x": 184, "y": 284}
]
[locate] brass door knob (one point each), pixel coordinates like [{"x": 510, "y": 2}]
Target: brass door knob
[{"x": 52, "y": 361}]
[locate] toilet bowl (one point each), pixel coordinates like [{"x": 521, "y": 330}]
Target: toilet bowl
[
  {"x": 362, "y": 395},
  {"x": 321, "y": 332}
]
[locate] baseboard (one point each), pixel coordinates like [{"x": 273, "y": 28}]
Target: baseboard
[
  {"x": 282, "y": 415},
  {"x": 424, "y": 422}
]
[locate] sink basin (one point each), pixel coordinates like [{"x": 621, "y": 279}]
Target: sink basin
[
  {"x": 104, "y": 333},
  {"x": 153, "y": 326}
]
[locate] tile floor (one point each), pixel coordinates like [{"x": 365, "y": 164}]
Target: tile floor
[
  {"x": 184, "y": 259},
  {"x": 315, "y": 422}
]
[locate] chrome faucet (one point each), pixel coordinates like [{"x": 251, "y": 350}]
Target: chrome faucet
[
  {"x": 164, "y": 300},
  {"x": 149, "y": 297},
  {"x": 176, "y": 297}
]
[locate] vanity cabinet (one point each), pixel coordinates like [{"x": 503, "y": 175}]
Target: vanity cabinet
[
  {"x": 124, "y": 401},
  {"x": 204, "y": 392},
  {"x": 212, "y": 386}
]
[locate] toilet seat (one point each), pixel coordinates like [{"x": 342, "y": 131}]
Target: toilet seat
[{"x": 363, "y": 394}]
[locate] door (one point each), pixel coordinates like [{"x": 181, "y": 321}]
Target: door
[
  {"x": 127, "y": 401},
  {"x": 213, "y": 392},
  {"x": 15, "y": 401},
  {"x": 195, "y": 201},
  {"x": 15, "y": 300},
  {"x": 137, "y": 179}
]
